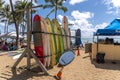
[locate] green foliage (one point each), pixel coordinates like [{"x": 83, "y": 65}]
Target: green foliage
[
  {"x": 5, "y": 15},
  {"x": 54, "y": 5},
  {"x": 1, "y": 3}
]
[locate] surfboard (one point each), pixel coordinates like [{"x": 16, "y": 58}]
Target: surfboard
[
  {"x": 40, "y": 40},
  {"x": 16, "y": 52},
  {"x": 67, "y": 58},
  {"x": 60, "y": 37},
  {"x": 65, "y": 26},
  {"x": 47, "y": 44},
  {"x": 55, "y": 42},
  {"x": 52, "y": 43},
  {"x": 3, "y": 53},
  {"x": 56, "y": 39},
  {"x": 17, "y": 56},
  {"x": 60, "y": 43},
  {"x": 64, "y": 39},
  {"x": 78, "y": 38}
]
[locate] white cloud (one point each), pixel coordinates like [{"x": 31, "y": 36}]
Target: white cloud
[
  {"x": 8, "y": 1},
  {"x": 2, "y": 24},
  {"x": 73, "y": 2},
  {"x": 113, "y": 6},
  {"x": 13, "y": 1},
  {"x": 60, "y": 17},
  {"x": 81, "y": 21},
  {"x": 2, "y": 27},
  {"x": 10, "y": 27},
  {"x": 101, "y": 26},
  {"x": 81, "y": 15}
]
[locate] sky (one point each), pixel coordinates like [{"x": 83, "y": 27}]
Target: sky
[{"x": 87, "y": 15}]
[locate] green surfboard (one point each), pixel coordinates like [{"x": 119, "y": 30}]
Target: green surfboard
[{"x": 59, "y": 39}]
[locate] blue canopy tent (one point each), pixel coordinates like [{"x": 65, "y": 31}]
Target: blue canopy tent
[{"x": 113, "y": 29}]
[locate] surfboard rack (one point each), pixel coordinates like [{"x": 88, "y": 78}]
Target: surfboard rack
[
  {"x": 28, "y": 52},
  {"x": 54, "y": 34}
]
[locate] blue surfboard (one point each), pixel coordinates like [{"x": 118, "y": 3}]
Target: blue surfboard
[
  {"x": 78, "y": 37},
  {"x": 66, "y": 58}
]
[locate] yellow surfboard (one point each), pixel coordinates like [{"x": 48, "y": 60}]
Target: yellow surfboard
[{"x": 52, "y": 43}]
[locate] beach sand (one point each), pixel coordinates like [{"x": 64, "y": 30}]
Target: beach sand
[{"x": 80, "y": 69}]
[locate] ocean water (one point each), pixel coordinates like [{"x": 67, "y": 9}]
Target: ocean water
[
  {"x": 91, "y": 40},
  {"x": 84, "y": 40}
]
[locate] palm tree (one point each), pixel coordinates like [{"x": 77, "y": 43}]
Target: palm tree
[
  {"x": 5, "y": 16},
  {"x": 19, "y": 16},
  {"x": 22, "y": 15},
  {"x": 16, "y": 25},
  {"x": 55, "y": 5},
  {"x": 1, "y": 4}
]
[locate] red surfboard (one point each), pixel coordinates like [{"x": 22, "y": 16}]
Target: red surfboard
[{"x": 37, "y": 37}]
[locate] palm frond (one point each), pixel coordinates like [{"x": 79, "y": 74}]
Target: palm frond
[
  {"x": 48, "y": 6},
  {"x": 50, "y": 1},
  {"x": 53, "y": 10},
  {"x": 59, "y": 2},
  {"x": 36, "y": 1},
  {"x": 63, "y": 8},
  {"x": 56, "y": 4},
  {"x": 1, "y": 3},
  {"x": 3, "y": 20},
  {"x": 47, "y": 0}
]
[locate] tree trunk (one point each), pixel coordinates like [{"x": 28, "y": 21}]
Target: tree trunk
[
  {"x": 56, "y": 10},
  {"x": 5, "y": 27},
  {"x": 16, "y": 26}
]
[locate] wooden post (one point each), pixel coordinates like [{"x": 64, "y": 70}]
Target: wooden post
[
  {"x": 28, "y": 38},
  {"x": 28, "y": 51}
]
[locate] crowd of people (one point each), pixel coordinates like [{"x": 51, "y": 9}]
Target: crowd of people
[{"x": 7, "y": 46}]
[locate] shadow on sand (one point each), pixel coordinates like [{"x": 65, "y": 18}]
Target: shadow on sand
[
  {"x": 23, "y": 74},
  {"x": 111, "y": 65}
]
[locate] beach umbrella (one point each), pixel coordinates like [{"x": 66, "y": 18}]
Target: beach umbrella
[
  {"x": 10, "y": 35},
  {"x": 13, "y": 35}
]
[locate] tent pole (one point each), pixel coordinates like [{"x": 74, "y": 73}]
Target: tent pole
[
  {"x": 97, "y": 43},
  {"x": 93, "y": 38}
]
